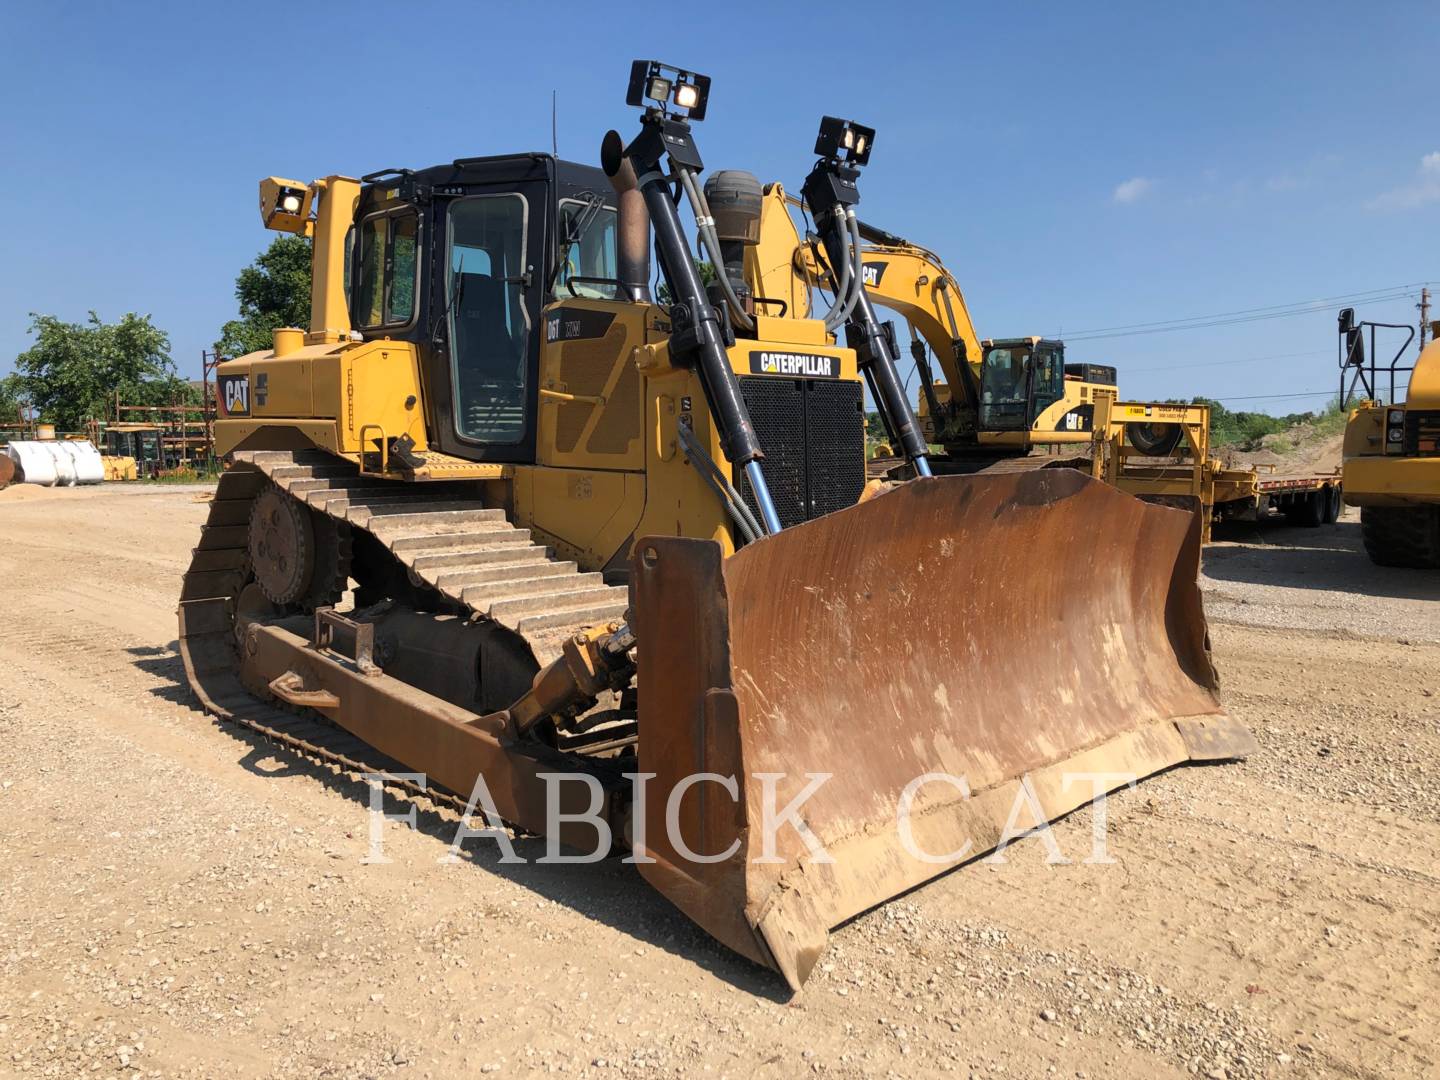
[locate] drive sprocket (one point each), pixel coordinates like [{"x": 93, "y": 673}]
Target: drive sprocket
[{"x": 282, "y": 546}]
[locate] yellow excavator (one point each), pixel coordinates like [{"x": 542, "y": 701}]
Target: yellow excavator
[
  {"x": 501, "y": 519},
  {"x": 1391, "y": 454},
  {"x": 999, "y": 398}
]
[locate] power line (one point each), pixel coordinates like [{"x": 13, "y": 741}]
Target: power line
[
  {"x": 1332, "y": 392},
  {"x": 1222, "y": 363},
  {"x": 1318, "y": 307},
  {"x": 1245, "y": 315}
]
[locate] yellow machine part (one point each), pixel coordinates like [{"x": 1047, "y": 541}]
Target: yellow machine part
[
  {"x": 1376, "y": 470},
  {"x": 608, "y": 461},
  {"x": 1382, "y": 465},
  {"x": 119, "y": 467},
  {"x": 337, "y": 396}
]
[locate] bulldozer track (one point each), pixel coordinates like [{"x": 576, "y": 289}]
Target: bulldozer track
[{"x": 441, "y": 534}]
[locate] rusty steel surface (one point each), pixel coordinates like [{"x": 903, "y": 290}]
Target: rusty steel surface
[
  {"x": 450, "y": 745},
  {"x": 1032, "y": 626},
  {"x": 7, "y": 469}
]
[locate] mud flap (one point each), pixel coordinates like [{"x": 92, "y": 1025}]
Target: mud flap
[{"x": 984, "y": 631}]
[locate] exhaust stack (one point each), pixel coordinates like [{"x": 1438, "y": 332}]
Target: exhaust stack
[{"x": 633, "y": 233}]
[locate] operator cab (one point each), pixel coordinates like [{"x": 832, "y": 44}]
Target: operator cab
[
  {"x": 460, "y": 259},
  {"x": 1019, "y": 379}
]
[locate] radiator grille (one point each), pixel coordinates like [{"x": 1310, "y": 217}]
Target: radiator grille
[
  {"x": 813, "y": 435},
  {"x": 1422, "y": 432}
]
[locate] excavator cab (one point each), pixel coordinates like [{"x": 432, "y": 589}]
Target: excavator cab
[{"x": 1019, "y": 379}]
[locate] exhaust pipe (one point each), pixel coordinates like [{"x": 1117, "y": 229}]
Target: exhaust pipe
[{"x": 633, "y": 239}]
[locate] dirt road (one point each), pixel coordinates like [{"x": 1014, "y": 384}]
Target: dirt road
[{"x": 177, "y": 899}]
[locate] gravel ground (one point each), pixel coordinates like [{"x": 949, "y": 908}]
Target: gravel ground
[
  {"x": 180, "y": 900},
  {"x": 1316, "y": 579}
]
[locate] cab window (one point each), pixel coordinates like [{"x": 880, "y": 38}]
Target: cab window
[
  {"x": 1004, "y": 386},
  {"x": 1048, "y": 368},
  {"x": 591, "y": 266},
  {"x": 489, "y": 322},
  {"x": 384, "y": 293}
]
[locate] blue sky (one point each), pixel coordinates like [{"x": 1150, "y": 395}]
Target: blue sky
[{"x": 1078, "y": 167}]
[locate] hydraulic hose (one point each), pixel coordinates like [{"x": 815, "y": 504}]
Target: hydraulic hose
[
  {"x": 710, "y": 472},
  {"x": 857, "y": 280},
  {"x": 885, "y": 385},
  {"x": 840, "y": 230},
  {"x": 696, "y": 332},
  {"x": 840, "y": 309},
  {"x": 711, "y": 243}
]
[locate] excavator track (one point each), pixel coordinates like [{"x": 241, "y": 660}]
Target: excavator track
[{"x": 441, "y": 535}]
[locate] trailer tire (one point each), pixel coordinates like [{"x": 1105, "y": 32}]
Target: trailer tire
[
  {"x": 1406, "y": 536},
  {"x": 1334, "y": 502},
  {"x": 1154, "y": 440},
  {"x": 1308, "y": 511}
]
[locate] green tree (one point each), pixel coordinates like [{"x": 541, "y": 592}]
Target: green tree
[
  {"x": 13, "y": 396},
  {"x": 1245, "y": 430},
  {"x": 273, "y": 291},
  {"x": 75, "y": 370},
  {"x": 706, "y": 270}
]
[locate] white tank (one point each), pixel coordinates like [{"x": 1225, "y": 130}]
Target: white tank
[{"x": 63, "y": 462}]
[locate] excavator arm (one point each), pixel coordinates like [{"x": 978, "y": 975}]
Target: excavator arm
[
  {"x": 900, "y": 275},
  {"x": 912, "y": 281}
]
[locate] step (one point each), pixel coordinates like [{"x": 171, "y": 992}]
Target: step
[
  {"x": 585, "y": 615},
  {"x": 337, "y": 503},
  {"x": 520, "y": 550},
  {"x": 511, "y": 609},
  {"x": 307, "y": 472},
  {"x": 330, "y": 483},
  {"x": 537, "y": 587},
  {"x": 436, "y": 520},
  {"x": 281, "y": 457},
  {"x": 438, "y": 512},
  {"x": 528, "y": 569},
  {"x": 502, "y": 534}
]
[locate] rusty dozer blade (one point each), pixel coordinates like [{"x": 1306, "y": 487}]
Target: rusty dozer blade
[{"x": 1004, "y": 630}]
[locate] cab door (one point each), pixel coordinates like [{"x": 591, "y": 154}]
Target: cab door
[
  {"x": 1047, "y": 379},
  {"x": 481, "y": 364}
]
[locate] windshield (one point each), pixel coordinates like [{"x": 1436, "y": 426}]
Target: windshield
[
  {"x": 1004, "y": 388},
  {"x": 591, "y": 257},
  {"x": 1018, "y": 382},
  {"x": 489, "y": 325}
]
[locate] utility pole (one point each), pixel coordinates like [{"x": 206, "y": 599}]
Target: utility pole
[{"x": 1424, "y": 313}]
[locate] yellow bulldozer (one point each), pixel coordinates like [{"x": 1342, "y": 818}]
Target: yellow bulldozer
[
  {"x": 1391, "y": 455},
  {"x": 501, "y": 518}
]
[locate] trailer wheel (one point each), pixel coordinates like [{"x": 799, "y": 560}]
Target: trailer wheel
[
  {"x": 1402, "y": 535},
  {"x": 1334, "y": 502},
  {"x": 1154, "y": 440},
  {"x": 1307, "y": 511}
]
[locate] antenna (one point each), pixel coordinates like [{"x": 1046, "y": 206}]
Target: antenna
[{"x": 554, "y": 131}]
